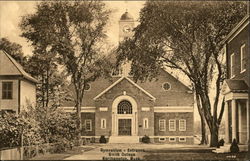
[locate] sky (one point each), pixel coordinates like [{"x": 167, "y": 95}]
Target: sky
[{"x": 11, "y": 13}]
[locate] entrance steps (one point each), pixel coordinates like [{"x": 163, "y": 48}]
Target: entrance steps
[
  {"x": 124, "y": 139},
  {"x": 226, "y": 148}
]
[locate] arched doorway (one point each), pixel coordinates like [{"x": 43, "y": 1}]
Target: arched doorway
[{"x": 124, "y": 116}]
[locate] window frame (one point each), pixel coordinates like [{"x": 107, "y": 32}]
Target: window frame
[
  {"x": 145, "y": 123},
  {"x": 242, "y": 58},
  {"x": 103, "y": 123},
  {"x": 7, "y": 90},
  {"x": 232, "y": 62},
  {"x": 162, "y": 86},
  {"x": 185, "y": 139},
  {"x": 164, "y": 125},
  {"x": 85, "y": 123},
  {"x": 169, "y": 126},
  {"x": 169, "y": 139},
  {"x": 185, "y": 125}
]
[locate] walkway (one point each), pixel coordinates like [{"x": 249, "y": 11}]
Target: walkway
[{"x": 127, "y": 151}]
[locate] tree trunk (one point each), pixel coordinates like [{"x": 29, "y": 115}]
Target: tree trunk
[
  {"x": 214, "y": 136},
  {"x": 78, "y": 119},
  {"x": 203, "y": 131},
  {"x": 203, "y": 121}
]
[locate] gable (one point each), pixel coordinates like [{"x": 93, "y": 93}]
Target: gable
[
  {"x": 6, "y": 65},
  {"x": 121, "y": 85}
]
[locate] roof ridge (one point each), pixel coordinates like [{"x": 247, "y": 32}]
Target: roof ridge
[{"x": 20, "y": 68}]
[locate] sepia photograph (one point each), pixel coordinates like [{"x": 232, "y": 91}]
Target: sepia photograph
[{"x": 125, "y": 80}]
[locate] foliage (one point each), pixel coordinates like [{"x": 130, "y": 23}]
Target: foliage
[
  {"x": 37, "y": 126},
  {"x": 221, "y": 143},
  {"x": 13, "y": 126},
  {"x": 185, "y": 36},
  {"x": 75, "y": 32},
  {"x": 102, "y": 139},
  {"x": 234, "y": 148},
  {"x": 145, "y": 139},
  {"x": 14, "y": 50}
]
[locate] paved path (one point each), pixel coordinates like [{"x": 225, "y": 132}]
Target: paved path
[{"x": 123, "y": 151}]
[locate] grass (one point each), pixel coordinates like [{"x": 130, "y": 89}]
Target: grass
[
  {"x": 193, "y": 154},
  {"x": 61, "y": 156}
]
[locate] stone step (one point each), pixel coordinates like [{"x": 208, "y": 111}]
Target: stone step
[{"x": 124, "y": 139}]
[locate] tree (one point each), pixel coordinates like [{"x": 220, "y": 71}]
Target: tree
[
  {"x": 75, "y": 32},
  {"x": 14, "y": 50},
  {"x": 185, "y": 36}
]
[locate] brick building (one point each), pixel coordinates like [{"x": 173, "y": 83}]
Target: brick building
[
  {"x": 236, "y": 87},
  {"x": 125, "y": 111}
]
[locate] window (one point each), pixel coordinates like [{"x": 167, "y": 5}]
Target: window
[
  {"x": 162, "y": 139},
  {"x": 232, "y": 65},
  {"x": 243, "y": 58},
  {"x": 182, "y": 125},
  {"x": 7, "y": 90},
  {"x": 172, "y": 139},
  {"x": 88, "y": 125},
  {"x": 87, "y": 87},
  {"x": 145, "y": 123},
  {"x": 182, "y": 139},
  {"x": 162, "y": 125},
  {"x": 172, "y": 125},
  {"x": 124, "y": 107},
  {"x": 103, "y": 123},
  {"x": 166, "y": 86}
]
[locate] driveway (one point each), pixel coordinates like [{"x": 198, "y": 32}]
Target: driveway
[{"x": 127, "y": 151}]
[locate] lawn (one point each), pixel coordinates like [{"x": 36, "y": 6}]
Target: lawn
[{"x": 193, "y": 154}]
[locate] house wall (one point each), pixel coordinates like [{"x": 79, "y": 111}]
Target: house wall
[
  {"x": 234, "y": 47},
  {"x": 27, "y": 94},
  {"x": 10, "y": 104}
]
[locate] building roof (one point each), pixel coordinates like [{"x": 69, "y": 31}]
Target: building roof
[
  {"x": 235, "y": 31},
  {"x": 236, "y": 85},
  {"x": 126, "y": 16},
  {"x": 119, "y": 80},
  {"x": 19, "y": 68}
]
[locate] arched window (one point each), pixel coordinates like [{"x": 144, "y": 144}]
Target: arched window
[{"x": 124, "y": 107}]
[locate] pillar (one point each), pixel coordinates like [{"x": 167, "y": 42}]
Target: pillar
[
  {"x": 226, "y": 123},
  {"x": 240, "y": 122},
  {"x": 247, "y": 106},
  {"x": 234, "y": 130}
]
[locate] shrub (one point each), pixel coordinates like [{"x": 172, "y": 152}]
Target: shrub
[
  {"x": 234, "y": 148},
  {"x": 145, "y": 139},
  {"x": 221, "y": 143},
  {"x": 103, "y": 139}
]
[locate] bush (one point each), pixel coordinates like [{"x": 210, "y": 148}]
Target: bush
[
  {"x": 145, "y": 139},
  {"x": 103, "y": 139},
  {"x": 234, "y": 148},
  {"x": 220, "y": 143}
]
